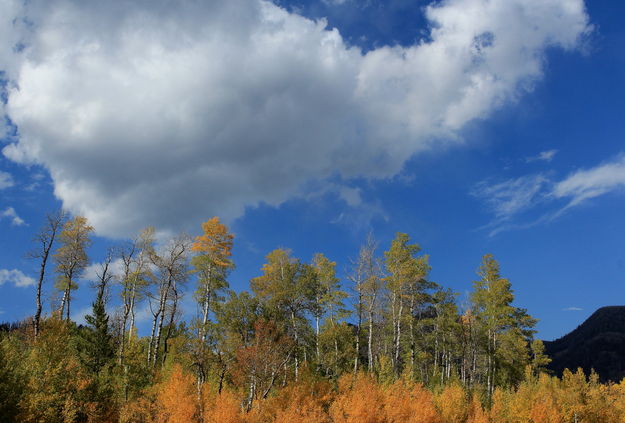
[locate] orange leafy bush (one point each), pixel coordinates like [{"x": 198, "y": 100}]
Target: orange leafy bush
[
  {"x": 452, "y": 404},
  {"x": 359, "y": 400},
  {"x": 222, "y": 408},
  {"x": 405, "y": 404},
  {"x": 176, "y": 398}
]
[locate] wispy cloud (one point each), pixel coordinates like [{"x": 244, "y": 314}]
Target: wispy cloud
[
  {"x": 572, "y": 309},
  {"x": 589, "y": 183},
  {"x": 512, "y": 198},
  {"x": 543, "y": 156},
  {"x": 358, "y": 212},
  {"x": 6, "y": 180},
  {"x": 11, "y": 214},
  {"x": 16, "y": 277},
  {"x": 336, "y": 2}
]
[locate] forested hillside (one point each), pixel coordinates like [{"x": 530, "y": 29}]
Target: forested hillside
[
  {"x": 597, "y": 344},
  {"x": 385, "y": 345}
]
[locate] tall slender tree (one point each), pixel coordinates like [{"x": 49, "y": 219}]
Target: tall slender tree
[
  {"x": 402, "y": 268},
  {"x": 327, "y": 294},
  {"x": 45, "y": 240},
  {"x": 499, "y": 322},
  {"x": 371, "y": 290},
  {"x": 172, "y": 267},
  {"x": 71, "y": 257},
  {"x": 136, "y": 276},
  {"x": 211, "y": 264}
]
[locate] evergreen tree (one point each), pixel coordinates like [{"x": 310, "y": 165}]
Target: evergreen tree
[
  {"x": 97, "y": 340},
  {"x": 97, "y": 353}
]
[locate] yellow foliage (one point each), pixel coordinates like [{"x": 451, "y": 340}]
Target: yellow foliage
[
  {"x": 499, "y": 408},
  {"x": 452, "y": 404},
  {"x": 477, "y": 414},
  {"x": 545, "y": 410}
]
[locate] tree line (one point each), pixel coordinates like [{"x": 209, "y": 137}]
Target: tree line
[{"x": 299, "y": 332}]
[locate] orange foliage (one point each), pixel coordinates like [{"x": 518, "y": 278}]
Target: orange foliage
[
  {"x": 452, "y": 404},
  {"x": 222, "y": 408},
  {"x": 215, "y": 243},
  {"x": 545, "y": 410},
  {"x": 176, "y": 398},
  {"x": 304, "y": 403},
  {"x": 360, "y": 400},
  {"x": 476, "y": 412},
  {"x": 409, "y": 405}
]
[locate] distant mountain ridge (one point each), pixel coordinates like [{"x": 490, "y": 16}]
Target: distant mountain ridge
[{"x": 598, "y": 343}]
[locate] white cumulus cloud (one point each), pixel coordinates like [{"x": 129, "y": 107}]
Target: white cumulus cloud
[
  {"x": 15, "y": 277},
  {"x": 93, "y": 271},
  {"x": 11, "y": 214},
  {"x": 164, "y": 113},
  {"x": 6, "y": 180}
]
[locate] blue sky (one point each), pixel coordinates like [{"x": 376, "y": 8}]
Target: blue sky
[{"x": 486, "y": 127}]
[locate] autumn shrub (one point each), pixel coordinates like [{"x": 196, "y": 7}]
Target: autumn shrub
[
  {"x": 601, "y": 403},
  {"x": 304, "y": 404},
  {"x": 359, "y": 400},
  {"x": 409, "y": 404},
  {"x": 545, "y": 410},
  {"x": 452, "y": 404},
  {"x": 477, "y": 414},
  {"x": 222, "y": 408},
  {"x": 176, "y": 398},
  {"x": 534, "y": 401},
  {"x": 571, "y": 395},
  {"x": 139, "y": 410},
  {"x": 55, "y": 383},
  {"x": 499, "y": 410}
]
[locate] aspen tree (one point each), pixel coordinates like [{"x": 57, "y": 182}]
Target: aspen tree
[
  {"x": 45, "y": 239},
  {"x": 284, "y": 288},
  {"x": 500, "y": 323},
  {"x": 71, "y": 257},
  {"x": 214, "y": 249},
  {"x": 327, "y": 299},
  {"x": 402, "y": 268},
  {"x": 172, "y": 268}
]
